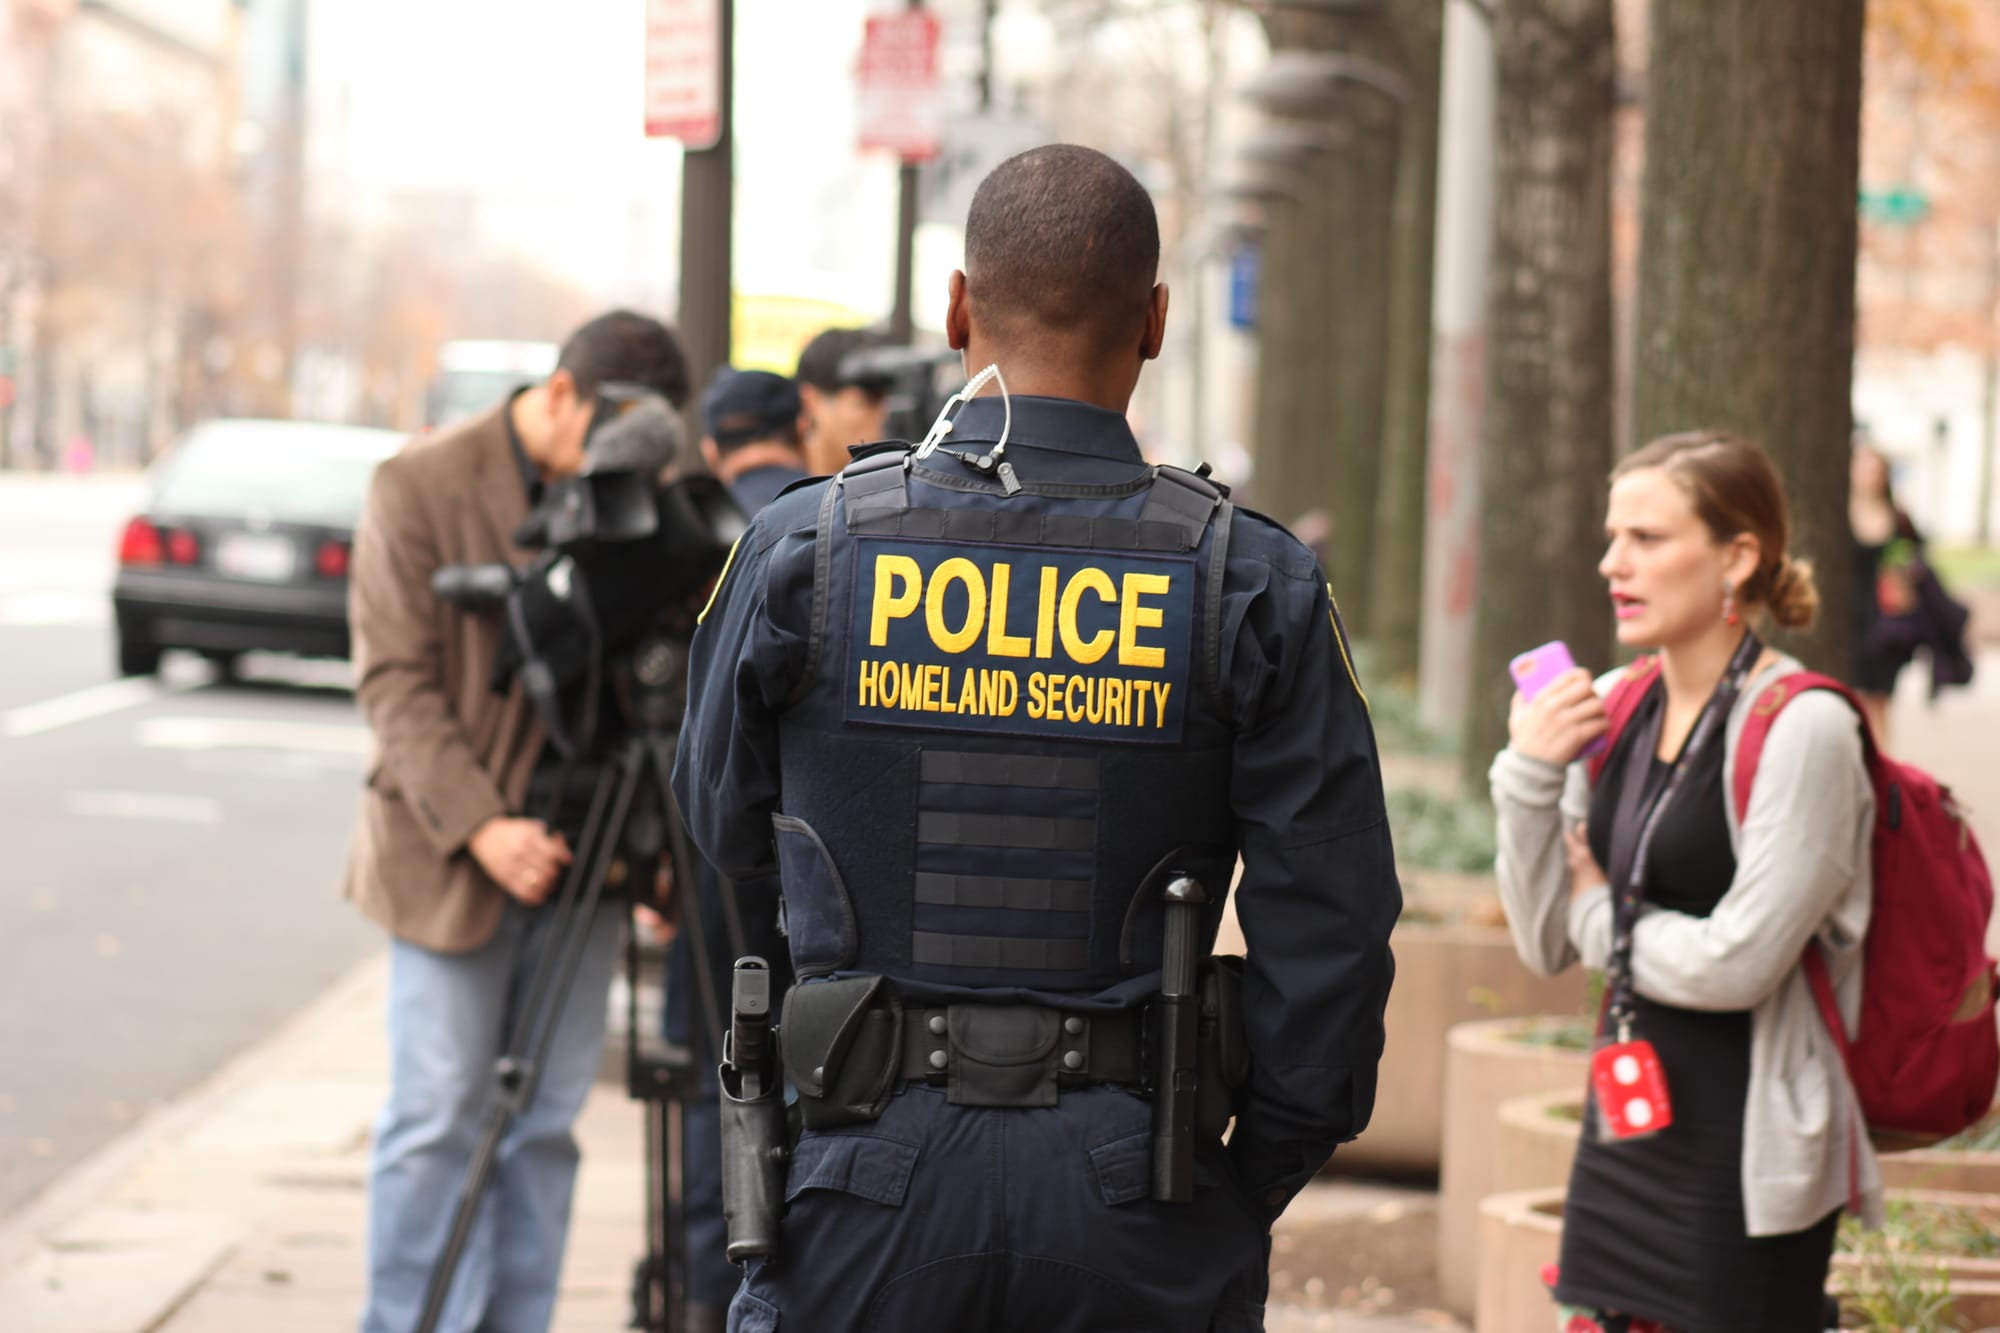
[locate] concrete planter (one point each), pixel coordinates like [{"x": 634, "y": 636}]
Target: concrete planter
[
  {"x": 1520, "y": 1233},
  {"x": 1537, "y": 1139},
  {"x": 1942, "y": 1169},
  {"x": 1446, "y": 974},
  {"x": 1487, "y": 1064}
]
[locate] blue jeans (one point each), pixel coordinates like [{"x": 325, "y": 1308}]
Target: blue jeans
[{"x": 449, "y": 1018}]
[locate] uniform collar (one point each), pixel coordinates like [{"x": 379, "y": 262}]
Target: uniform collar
[{"x": 1062, "y": 425}]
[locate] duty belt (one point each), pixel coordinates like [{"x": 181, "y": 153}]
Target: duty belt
[{"x": 1073, "y": 1048}]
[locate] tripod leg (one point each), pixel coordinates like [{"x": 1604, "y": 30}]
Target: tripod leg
[{"x": 516, "y": 1077}]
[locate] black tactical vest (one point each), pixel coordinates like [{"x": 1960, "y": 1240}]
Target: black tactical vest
[{"x": 1010, "y": 730}]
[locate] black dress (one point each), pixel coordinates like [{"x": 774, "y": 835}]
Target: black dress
[{"x": 1654, "y": 1227}]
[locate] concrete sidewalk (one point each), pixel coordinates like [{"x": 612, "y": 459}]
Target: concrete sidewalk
[{"x": 240, "y": 1207}]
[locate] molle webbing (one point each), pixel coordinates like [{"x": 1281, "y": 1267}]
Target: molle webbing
[{"x": 1051, "y": 912}]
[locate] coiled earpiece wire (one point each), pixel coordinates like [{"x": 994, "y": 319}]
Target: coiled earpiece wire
[{"x": 994, "y": 461}]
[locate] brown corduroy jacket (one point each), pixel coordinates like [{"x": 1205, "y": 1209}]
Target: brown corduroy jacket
[{"x": 449, "y": 752}]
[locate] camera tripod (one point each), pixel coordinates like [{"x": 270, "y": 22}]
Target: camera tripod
[{"x": 632, "y": 821}]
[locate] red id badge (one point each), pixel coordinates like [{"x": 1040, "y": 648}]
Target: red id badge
[{"x": 1631, "y": 1090}]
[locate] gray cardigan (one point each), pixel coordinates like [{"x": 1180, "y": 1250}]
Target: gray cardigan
[{"x": 1803, "y": 873}]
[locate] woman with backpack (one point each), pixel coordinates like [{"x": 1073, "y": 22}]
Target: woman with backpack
[{"x": 1637, "y": 863}]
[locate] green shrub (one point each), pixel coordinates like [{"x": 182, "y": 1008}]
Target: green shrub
[
  {"x": 1438, "y": 832},
  {"x": 1903, "y": 1284}
]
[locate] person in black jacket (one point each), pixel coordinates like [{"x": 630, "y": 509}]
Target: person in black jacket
[{"x": 1899, "y": 605}]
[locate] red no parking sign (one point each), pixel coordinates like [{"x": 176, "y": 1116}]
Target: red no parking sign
[{"x": 899, "y": 84}]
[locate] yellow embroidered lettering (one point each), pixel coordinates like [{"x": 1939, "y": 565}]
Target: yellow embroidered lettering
[
  {"x": 892, "y": 603},
  {"x": 956, "y": 570},
  {"x": 1081, "y": 650},
  {"x": 1132, "y": 617},
  {"x": 999, "y": 643}
]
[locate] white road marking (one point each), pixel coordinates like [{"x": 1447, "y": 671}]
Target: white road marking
[
  {"x": 169, "y": 807},
  {"x": 215, "y": 733},
  {"x": 36, "y": 609},
  {"x": 65, "y": 709}
]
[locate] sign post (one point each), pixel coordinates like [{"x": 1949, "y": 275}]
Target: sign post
[
  {"x": 899, "y": 112},
  {"x": 689, "y": 88}
]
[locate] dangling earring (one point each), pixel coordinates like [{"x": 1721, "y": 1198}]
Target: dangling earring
[{"x": 1729, "y": 616}]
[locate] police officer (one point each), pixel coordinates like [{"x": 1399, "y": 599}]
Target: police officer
[
  {"x": 751, "y": 442},
  {"x": 1006, "y": 712}
]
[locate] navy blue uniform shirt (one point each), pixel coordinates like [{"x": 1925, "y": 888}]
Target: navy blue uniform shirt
[
  {"x": 1317, "y": 895},
  {"x": 761, "y": 485}
]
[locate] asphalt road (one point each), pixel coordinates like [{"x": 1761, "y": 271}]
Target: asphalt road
[{"x": 169, "y": 851}]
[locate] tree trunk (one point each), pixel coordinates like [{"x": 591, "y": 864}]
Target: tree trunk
[
  {"x": 1547, "y": 437},
  {"x": 1398, "y": 574},
  {"x": 1354, "y": 355},
  {"x": 1324, "y": 314},
  {"x": 1746, "y": 269}
]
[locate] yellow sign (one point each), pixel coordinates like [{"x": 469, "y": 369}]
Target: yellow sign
[{"x": 769, "y": 332}]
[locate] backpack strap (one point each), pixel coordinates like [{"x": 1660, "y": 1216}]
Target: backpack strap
[
  {"x": 1621, "y": 703},
  {"x": 1764, "y": 715},
  {"x": 1749, "y": 750}
]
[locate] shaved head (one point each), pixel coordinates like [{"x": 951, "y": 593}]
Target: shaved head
[{"x": 1063, "y": 241}]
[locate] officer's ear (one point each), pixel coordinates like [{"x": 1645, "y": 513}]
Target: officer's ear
[
  {"x": 957, "y": 318},
  {"x": 1156, "y": 323}
]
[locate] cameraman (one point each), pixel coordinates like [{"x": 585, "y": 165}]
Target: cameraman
[
  {"x": 842, "y": 409},
  {"x": 443, "y": 859}
]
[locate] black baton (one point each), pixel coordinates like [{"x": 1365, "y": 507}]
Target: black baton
[{"x": 1180, "y": 1021}]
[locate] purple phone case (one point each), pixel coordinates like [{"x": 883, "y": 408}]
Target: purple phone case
[{"x": 1534, "y": 669}]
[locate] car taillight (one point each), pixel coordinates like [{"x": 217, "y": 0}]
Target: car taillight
[
  {"x": 331, "y": 561},
  {"x": 183, "y": 547},
  {"x": 140, "y": 545}
]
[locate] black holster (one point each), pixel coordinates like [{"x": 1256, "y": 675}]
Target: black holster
[{"x": 755, "y": 1147}]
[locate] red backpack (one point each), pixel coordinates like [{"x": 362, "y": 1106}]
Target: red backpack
[{"x": 1926, "y": 1057}]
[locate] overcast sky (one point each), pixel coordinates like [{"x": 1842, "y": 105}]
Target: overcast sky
[{"x": 537, "y": 107}]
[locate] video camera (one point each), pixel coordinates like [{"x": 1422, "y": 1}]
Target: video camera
[
  {"x": 909, "y": 378},
  {"x": 621, "y": 556}
]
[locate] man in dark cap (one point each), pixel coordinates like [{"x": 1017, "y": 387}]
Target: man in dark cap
[
  {"x": 752, "y": 425},
  {"x": 1008, "y": 711}
]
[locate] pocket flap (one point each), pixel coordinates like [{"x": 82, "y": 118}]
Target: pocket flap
[
  {"x": 868, "y": 1166},
  {"x": 1124, "y": 1168}
]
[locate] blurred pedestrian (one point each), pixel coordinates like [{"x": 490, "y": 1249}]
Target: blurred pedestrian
[
  {"x": 1723, "y": 1221},
  {"x": 1899, "y": 605},
  {"x": 843, "y": 408},
  {"x": 445, "y": 859}
]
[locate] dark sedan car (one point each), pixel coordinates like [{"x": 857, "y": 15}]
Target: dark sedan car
[{"x": 244, "y": 542}]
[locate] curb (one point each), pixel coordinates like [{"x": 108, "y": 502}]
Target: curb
[{"x": 25, "y": 1232}]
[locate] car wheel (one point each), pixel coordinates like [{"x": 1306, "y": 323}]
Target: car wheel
[
  {"x": 136, "y": 657},
  {"x": 228, "y": 666}
]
